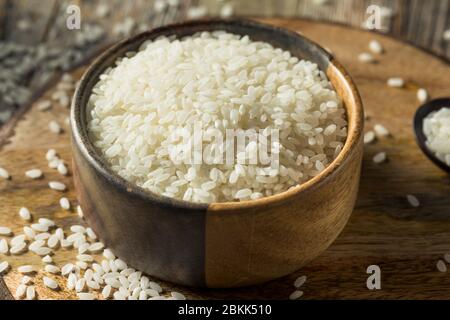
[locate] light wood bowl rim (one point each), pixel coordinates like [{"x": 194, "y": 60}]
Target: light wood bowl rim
[{"x": 88, "y": 150}]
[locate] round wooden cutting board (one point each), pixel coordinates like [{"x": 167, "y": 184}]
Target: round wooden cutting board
[{"x": 384, "y": 230}]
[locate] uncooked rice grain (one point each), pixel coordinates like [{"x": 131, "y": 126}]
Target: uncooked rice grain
[
  {"x": 441, "y": 266},
  {"x": 297, "y": 294},
  {"x": 26, "y": 269},
  {"x": 436, "y": 127},
  {"x": 50, "y": 283},
  {"x": 47, "y": 259},
  {"x": 376, "y": 47},
  {"x": 447, "y": 257},
  {"x": 52, "y": 269},
  {"x": 366, "y": 58},
  {"x": 4, "y": 248},
  {"x": 64, "y": 203},
  {"x": 5, "y": 231},
  {"x": 369, "y": 137},
  {"x": 4, "y": 266},
  {"x": 85, "y": 296},
  {"x": 396, "y": 82},
  {"x": 380, "y": 157},
  {"x": 21, "y": 291},
  {"x": 17, "y": 240},
  {"x": 55, "y": 185},
  {"x": 413, "y": 201},
  {"x": 4, "y": 173},
  {"x": 222, "y": 81},
  {"x": 422, "y": 95},
  {"x": 381, "y": 130},
  {"x": 25, "y": 214},
  {"x": 34, "y": 173},
  {"x": 54, "y": 127},
  {"x": 18, "y": 248}
]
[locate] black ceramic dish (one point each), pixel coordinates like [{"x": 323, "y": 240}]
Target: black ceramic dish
[{"x": 421, "y": 114}]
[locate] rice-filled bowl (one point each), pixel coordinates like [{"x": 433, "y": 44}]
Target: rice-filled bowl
[{"x": 161, "y": 116}]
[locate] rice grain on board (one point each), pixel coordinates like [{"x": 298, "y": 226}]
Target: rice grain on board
[
  {"x": 369, "y": 137},
  {"x": 5, "y": 231},
  {"x": 436, "y": 127},
  {"x": 366, "y": 57},
  {"x": 220, "y": 81},
  {"x": 25, "y": 214},
  {"x": 441, "y": 266},
  {"x": 64, "y": 203},
  {"x": 4, "y": 266},
  {"x": 381, "y": 130},
  {"x": 396, "y": 82},
  {"x": 50, "y": 283},
  {"x": 4, "y": 173},
  {"x": 4, "y": 248},
  {"x": 422, "y": 95},
  {"x": 55, "y": 185},
  {"x": 297, "y": 294},
  {"x": 413, "y": 201},
  {"x": 26, "y": 269},
  {"x": 34, "y": 173},
  {"x": 376, "y": 47},
  {"x": 380, "y": 157}
]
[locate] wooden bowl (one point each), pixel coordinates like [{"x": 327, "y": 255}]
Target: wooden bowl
[
  {"x": 228, "y": 244},
  {"x": 421, "y": 113}
]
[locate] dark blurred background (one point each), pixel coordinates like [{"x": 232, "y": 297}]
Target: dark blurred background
[{"x": 36, "y": 45}]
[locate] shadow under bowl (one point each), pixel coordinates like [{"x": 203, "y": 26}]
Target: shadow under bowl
[
  {"x": 422, "y": 112},
  {"x": 218, "y": 245}
]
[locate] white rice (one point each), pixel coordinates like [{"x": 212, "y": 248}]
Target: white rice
[
  {"x": 436, "y": 127},
  {"x": 62, "y": 169},
  {"x": 34, "y": 173},
  {"x": 380, "y": 157},
  {"x": 44, "y": 105},
  {"x": 412, "y": 200},
  {"x": 441, "y": 266},
  {"x": 26, "y": 280},
  {"x": 422, "y": 95},
  {"x": 366, "y": 57},
  {"x": 297, "y": 294},
  {"x": 18, "y": 248},
  {"x": 396, "y": 82},
  {"x": 21, "y": 291},
  {"x": 376, "y": 47},
  {"x": 4, "y": 173},
  {"x": 31, "y": 293},
  {"x": 5, "y": 231},
  {"x": 54, "y": 127},
  {"x": 221, "y": 81},
  {"x": 26, "y": 269},
  {"x": 52, "y": 269},
  {"x": 299, "y": 281},
  {"x": 4, "y": 248},
  {"x": 369, "y": 137},
  {"x": 47, "y": 259},
  {"x": 50, "y": 283},
  {"x": 25, "y": 214},
  {"x": 58, "y": 186},
  {"x": 4, "y": 266},
  {"x": 64, "y": 203},
  {"x": 381, "y": 131}
]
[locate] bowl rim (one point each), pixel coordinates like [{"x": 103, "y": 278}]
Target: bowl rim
[
  {"x": 88, "y": 150},
  {"x": 419, "y": 116}
]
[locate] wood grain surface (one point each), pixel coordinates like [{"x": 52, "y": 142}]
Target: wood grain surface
[{"x": 384, "y": 230}]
